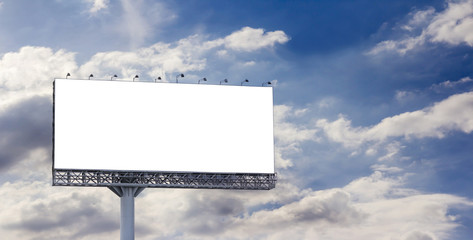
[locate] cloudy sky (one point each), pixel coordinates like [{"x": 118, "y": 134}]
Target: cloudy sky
[{"x": 373, "y": 114}]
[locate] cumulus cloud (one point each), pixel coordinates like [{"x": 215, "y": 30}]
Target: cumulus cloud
[
  {"x": 322, "y": 207},
  {"x": 453, "y": 25},
  {"x": 25, "y": 100},
  {"x": 452, "y": 114},
  {"x": 250, "y": 39},
  {"x": 423, "y": 213},
  {"x": 386, "y": 202},
  {"x": 375, "y": 186},
  {"x": 372, "y": 207},
  {"x": 156, "y": 60},
  {"x": 35, "y": 210},
  {"x": 287, "y": 131},
  {"x": 30, "y": 72},
  {"x": 419, "y": 19},
  {"x": 289, "y": 135},
  {"x": 400, "y": 46},
  {"x": 160, "y": 59},
  {"x": 25, "y": 127}
]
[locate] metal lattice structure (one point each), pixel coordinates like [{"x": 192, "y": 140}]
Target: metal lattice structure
[{"x": 99, "y": 178}]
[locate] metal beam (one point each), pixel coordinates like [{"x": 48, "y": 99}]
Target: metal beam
[{"x": 95, "y": 178}]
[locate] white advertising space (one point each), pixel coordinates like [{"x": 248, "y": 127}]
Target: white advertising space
[{"x": 146, "y": 126}]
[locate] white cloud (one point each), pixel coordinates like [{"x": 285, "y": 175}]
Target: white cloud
[
  {"x": 316, "y": 214},
  {"x": 375, "y": 186},
  {"x": 392, "y": 149},
  {"x": 372, "y": 207},
  {"x": 451, "y": 84},
  {"x": 452, "y": 114},
  {"x": 160, "y": 59},
  {"x": 250, "y": 39},
  {"x": 288, "y": 135},
  {"x": 97, "y": 5},
  {"x": 394, "y": 211},
  {"x": 392, "y": 218},
  {"x": 453, "y": 26},
  {"x": 285, "y": 131},
  {"x": 25, "y": 130},
  {"x": 27, "y": 68},
  {"x": 401, "y": 46},
  {"x": 419, "y": 19},
  {"x": 341, "y": 131},
  {"x": 249, "y": 63},
  {"x": 35, "y": 210},
  {"x": 30, "y": 72}
]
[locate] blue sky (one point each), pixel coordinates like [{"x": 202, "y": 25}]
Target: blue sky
[{"x": 373, "y": 114}]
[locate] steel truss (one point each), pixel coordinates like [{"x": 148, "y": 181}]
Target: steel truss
[{"x": 99, "y": 178}]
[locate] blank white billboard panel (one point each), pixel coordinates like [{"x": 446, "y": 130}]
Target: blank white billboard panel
[{"x": 143, "y": 126}]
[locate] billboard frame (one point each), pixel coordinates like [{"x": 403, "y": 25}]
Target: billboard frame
[{"x": 156, "y": 179}]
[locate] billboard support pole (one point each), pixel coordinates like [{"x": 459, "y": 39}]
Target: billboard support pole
[{"x": 127, "y": 210}]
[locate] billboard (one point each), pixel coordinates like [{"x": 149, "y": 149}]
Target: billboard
[{"x": 162, "y": 127}]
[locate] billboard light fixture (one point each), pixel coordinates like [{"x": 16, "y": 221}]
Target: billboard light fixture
[
  {"x": 68, "y": 75},
  {"x": 224, "y": 80},
  {"x": 91, "y": 76},
  {"x": 267, "y": 83},
  {"x": 245, "y": 81},
  {"x": 114, "y": 76},
  {"x": 159, "y": 78},
  {"x": 136, "y": 76},
  {"x": 179, "y": 75},
  {"x": 203, "y": 79}
]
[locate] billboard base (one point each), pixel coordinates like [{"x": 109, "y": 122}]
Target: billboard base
[{"x": 127, "y": 210}]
